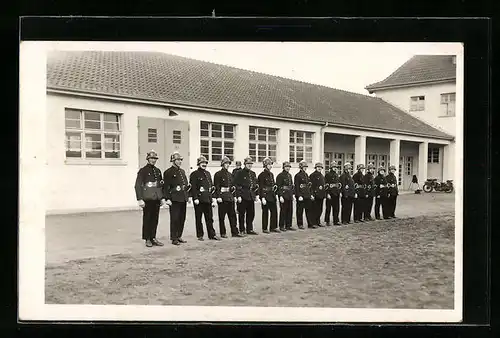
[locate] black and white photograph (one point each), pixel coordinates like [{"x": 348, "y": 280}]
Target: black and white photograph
[{"x": 241, "y": 181}]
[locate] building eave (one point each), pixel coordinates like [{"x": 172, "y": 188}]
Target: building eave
[{"x": 372, "y": 89}]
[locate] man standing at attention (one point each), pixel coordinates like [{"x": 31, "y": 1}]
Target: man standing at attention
[
  {"x": 348, "y": 194},
  {"x": 393, "y": 192},
  {"x": 246, "y": 188},
  {"x": 318, "y": 193},
  {"x": 360, "y": 196},
  {"x": 303, "y": 196},
  {"x": 368, "y": 181},
  {"x": 267, "y": 194},
  {"x": 380, "y": 183},
  {"x": 332, "y": 183},
  {"x": 285, "y": 193}
]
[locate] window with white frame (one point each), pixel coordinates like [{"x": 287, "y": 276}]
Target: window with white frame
[
  {"x": 92, "y": 135},
  {"x": 448, "y": 104},
  {"x": 216, "y": 140},
  {"x": 382, "y": 161},
  {"x": 339, "y": 158},
  {"x": 300, "y": 146},
  {"x": 262, "y": 143},
  {"x": 371, "y": 159},
  {"x": 328, "y": 160},
  {"x": 417, "y": 103},
  {"x": 400, "y": 170},
  {"x": 350, "y": 159},
  {"x": 433, "y": 155}
]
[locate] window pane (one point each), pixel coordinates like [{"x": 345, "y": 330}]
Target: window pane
[
  {"x": 73, "y": 114},
  {"x": 73, "y": 124},
  {"x": 217, "y": 151},
  {"x": 204, "y": 143},
  {"x": 93, "y": 154},
  {"x": 262, "y": 146},
  {"x": 228, "y": 128},
  {"x": 228, "y": 145},
  {"x": 272, "y": 132},
  {"x": 112, "y": 154},
  {"x": 262, "y": 153},
  {"x": 204, "y": 133},
  {"x": 292, "y": 139},
  {"x": 252, "y": 146},
  {"x": 216, "y": 133},
  {"x": 217, "y": 144},
  {"x": 217, "y": 126},
  {"x": 228, "y": 135},
  {"x": 177, "y": 137},
  {"x": 152, "y": 135},
  {"x": 272, "y": 147},
  {"x": 262, "y": 138},
  {"x": 309, "y": 149},
  {"x": 92, "y": 124},
  {"x": 252, "y": 137},
  {"x": 252, "y": 153},
  {"x": 228, "y": 151},
  {"x": 108, "y": 117},
  {"x": 272, "y": 138},
  {"x": 292, "y": 157},
  {"x": 73, "y": 145},
  {"x": 252, "y": 130},
  {"x": 92, "y": 116},
  {"x": 111, "y": 142},
  {"x": 111, "y": 126},
  {"x": 272, "y": 154},
  {"x": 203, "y": 125},
  {"x": 93, "y": 141}
]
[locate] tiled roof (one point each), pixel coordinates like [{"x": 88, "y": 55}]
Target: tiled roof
[
  {"x": 173, "y": 79},
  {"x": 419, "y": 69}
]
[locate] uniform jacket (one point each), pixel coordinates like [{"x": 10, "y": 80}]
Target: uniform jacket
[
  {"x": 332, "y": 183},
  {"x": 176, "y": 184},
  {"x": 235, "y": 170},
  {"x": 378, "y": 181},
  {"x": 302, "y": 188},
  {"x": 347, "y": 185},
  {"x": 285, "y": 185},
  {"x": 359, "y": 184},
  {"x": 223, "y": 179},
  {"x": 149, "y": 183},
  {"x": 266, "y": 184},
  {"x": 391, "y": 179},
  {"x": 246, "y": 184},
  {"x": 318, "y": 184},
  {"x": 368, "y": 181},
  {"x": 201, "y": 185}
]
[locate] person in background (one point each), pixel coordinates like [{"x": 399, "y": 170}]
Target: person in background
[
  {"x": 360, "y": 196},
  {"x": 318, "y": 193},
  {"x": 267, "y": 194},
  {"x": 368, "y": 181},
  {"x": 347, "y": 194},
  {"x": 380, "y": 183},
  {"x": 224, "y": 188},
  {"x": 332, "y": 184},
  {"x": 237, "y": 167},
  {"x": 149, "y": 194},
  {"x": 303, "y": 196},
  {"x": 393, "y": 192},
  {"x": 175, "y": 192},
  {"x": 246, "y": 188},
  {"x": 284, "y": 183}
]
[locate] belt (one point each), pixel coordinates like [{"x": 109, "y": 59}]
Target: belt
[
  {"x": 334, "y": 185},
  {"x": 267, "y": 188},
  {"x": 151, "y": 184},
  {"x": 302, "y": 185},
  {"x": 224, "y": 189},
  {"x": 286, "y": 187}
]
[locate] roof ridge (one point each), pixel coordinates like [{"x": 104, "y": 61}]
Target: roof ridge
[{"x": 397, "y": 69}]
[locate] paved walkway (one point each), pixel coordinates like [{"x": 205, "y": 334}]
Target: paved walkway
[{"x": 80, "y": 236}]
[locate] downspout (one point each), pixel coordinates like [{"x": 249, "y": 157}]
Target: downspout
[{"x": 322, "y": 143}]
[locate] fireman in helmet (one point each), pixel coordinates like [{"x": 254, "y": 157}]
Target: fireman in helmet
[
  {"x": 149, "y": 194},
  {"x": 267, "y": 194},
  {"x": 202, "y": 190},
  {"x": 368, "y": 181},
  {"x": 347, "y": 194},
  {"x": 360, "y": 193},
  {"x": 176, "y": 190},
  {"x": 246, "y": 184},
  {"x": 380, "y": 183},
  {"x": 224, "y": 190},
  {"x": 303, "y": 196},
  {"x": 318, "y": 193},
  {"x": 284, "y": 183},
  {"x": 332, "y": 182},
  {"x": 393, "y": 192}
]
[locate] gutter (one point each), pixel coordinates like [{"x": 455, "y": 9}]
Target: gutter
[
  {"x": 240, "y": 113},
  {"x": 371, "y": 90}
]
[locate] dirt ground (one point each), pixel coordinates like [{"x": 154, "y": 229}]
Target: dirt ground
[{"x": 401, "y": 263}]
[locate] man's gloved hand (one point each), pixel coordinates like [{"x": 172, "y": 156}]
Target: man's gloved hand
[{"x": 141, "y": 203}]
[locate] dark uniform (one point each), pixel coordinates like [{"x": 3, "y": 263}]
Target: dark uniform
[
  {"x": 285, "y": 190},
  {"x": 368, "y": 181},
  {"x": 176, "y": 189},
  {"x": 318, "y": 191},
  {"x": 223, "y": 181},
  {"x": 381, "y": 193},
  {"x": 148, "y": 188},
  {"x": 393, "y": 192},
  {"x": 267, "y": 191},
  {"x": 360, "y": 197},
  {"x": 348, "y": 192},
  {"x": 238, "y": 205},
  {"x": 201, "y": 190},
  {"x": 246, "y": 190},
  {"x": 303, "y": 189},
  {"x": 332, "y": 183}
]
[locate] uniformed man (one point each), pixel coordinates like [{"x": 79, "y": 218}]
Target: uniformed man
[
  {"x": 224, "y": 189},
  {"x": 175, "y": 191},
  {"x": 304, "y": 197},
  {"x": 237, "y": 168},
  {"x": 380, "y": 183},
  {"x": 393, "y": 192},
  {"x": 348, "y": 193},
  {"x": 360, "y": 196},
  {"x": 318, "y": 193},
  {"x": 238, "y": 205},
  {"x": 246, "y": 194},
  {"x": 332, "y": 184},
  {"x": 202, "y": 191},
  {"x": 368, "y": 181},
  {"x": 149, "y": 194},
  {"x": 284, "y": 183},
  {"x": 267, "y": 193}
]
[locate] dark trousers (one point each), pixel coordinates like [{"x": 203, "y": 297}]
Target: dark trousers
[
  {"x": 246, "y": 215},
  {"x": 359, "y": 206},
  {"x": 206, "y": 210},
  {"x": 150, "y": 215},
  {"x": 286, "y": 210},
  {"x": 346, "y": 209},
  {"x": 317, "y": 210},
  {"x": 368, "y": 208},
  {"x": 270, "y": 207},
  {"x": 332, "y": 204},
  {"x": 301, "y": 206},
  {"x": 177, "y": 219},
  {"x": 227, "y": 208},
  {"x": 391, "y": 206}
]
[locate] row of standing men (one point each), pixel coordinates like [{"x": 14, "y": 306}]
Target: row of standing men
[{"x": 344, "y": 194}]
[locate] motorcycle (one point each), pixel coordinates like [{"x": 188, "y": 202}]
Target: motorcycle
[{"x": 432, "y": 184}]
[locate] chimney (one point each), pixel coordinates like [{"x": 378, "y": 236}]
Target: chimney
[{"x": 454, "y": 59}]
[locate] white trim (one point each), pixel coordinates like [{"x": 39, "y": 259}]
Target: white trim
[
  {"x": 104, "y": 162},
  {"x": 413, "y": 84}
]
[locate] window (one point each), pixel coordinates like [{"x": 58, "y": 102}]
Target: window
[
  {"x": 263, "y": 143},
  {"x": 409, "y": 165},
  {"x": 300, "y": 146},
  {"x": 448, "y": 104},
  {"x": 328, "y": 160},
  {"x": 177, "y": 138},
  {"x": 400, "y": 170},
  {"x": 152, "y": 135},
  {"x": 417, "y": 103},
  {"x": 382, "y": 161},
  {"x": 339, "y": 158},
  {"x": 93, "y": 135},
  {"x": 350, "y": 159},
  {"x": 371, "y": 159},
  {"x": 433, "y": 155},
  {"x": 217, "y": 140}
]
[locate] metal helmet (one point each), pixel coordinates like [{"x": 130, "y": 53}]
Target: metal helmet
[
  {"x": 201, "y": 159},
  {"x": 286, "y": 164},
  {"x": 370, "y": 166},
  {"x": 248, "y": 160},
  {"x": 392, "y": 167},
  {"x": 348, "y": 165},
  {"x": 225, "y": 160},
  {"x": 267, "y": 161},
  {"x": 381, "y": 168},
  {"x": 318, "y": 165},
  {"x": 175, "y": 156},
  {"x": 302, "y": 164},
  {"x": 360, "y": 166},
  {"x": 333, "y": 164},
  {"x": 151, "y": 154},
  {"x": 238, "y": 163}
]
